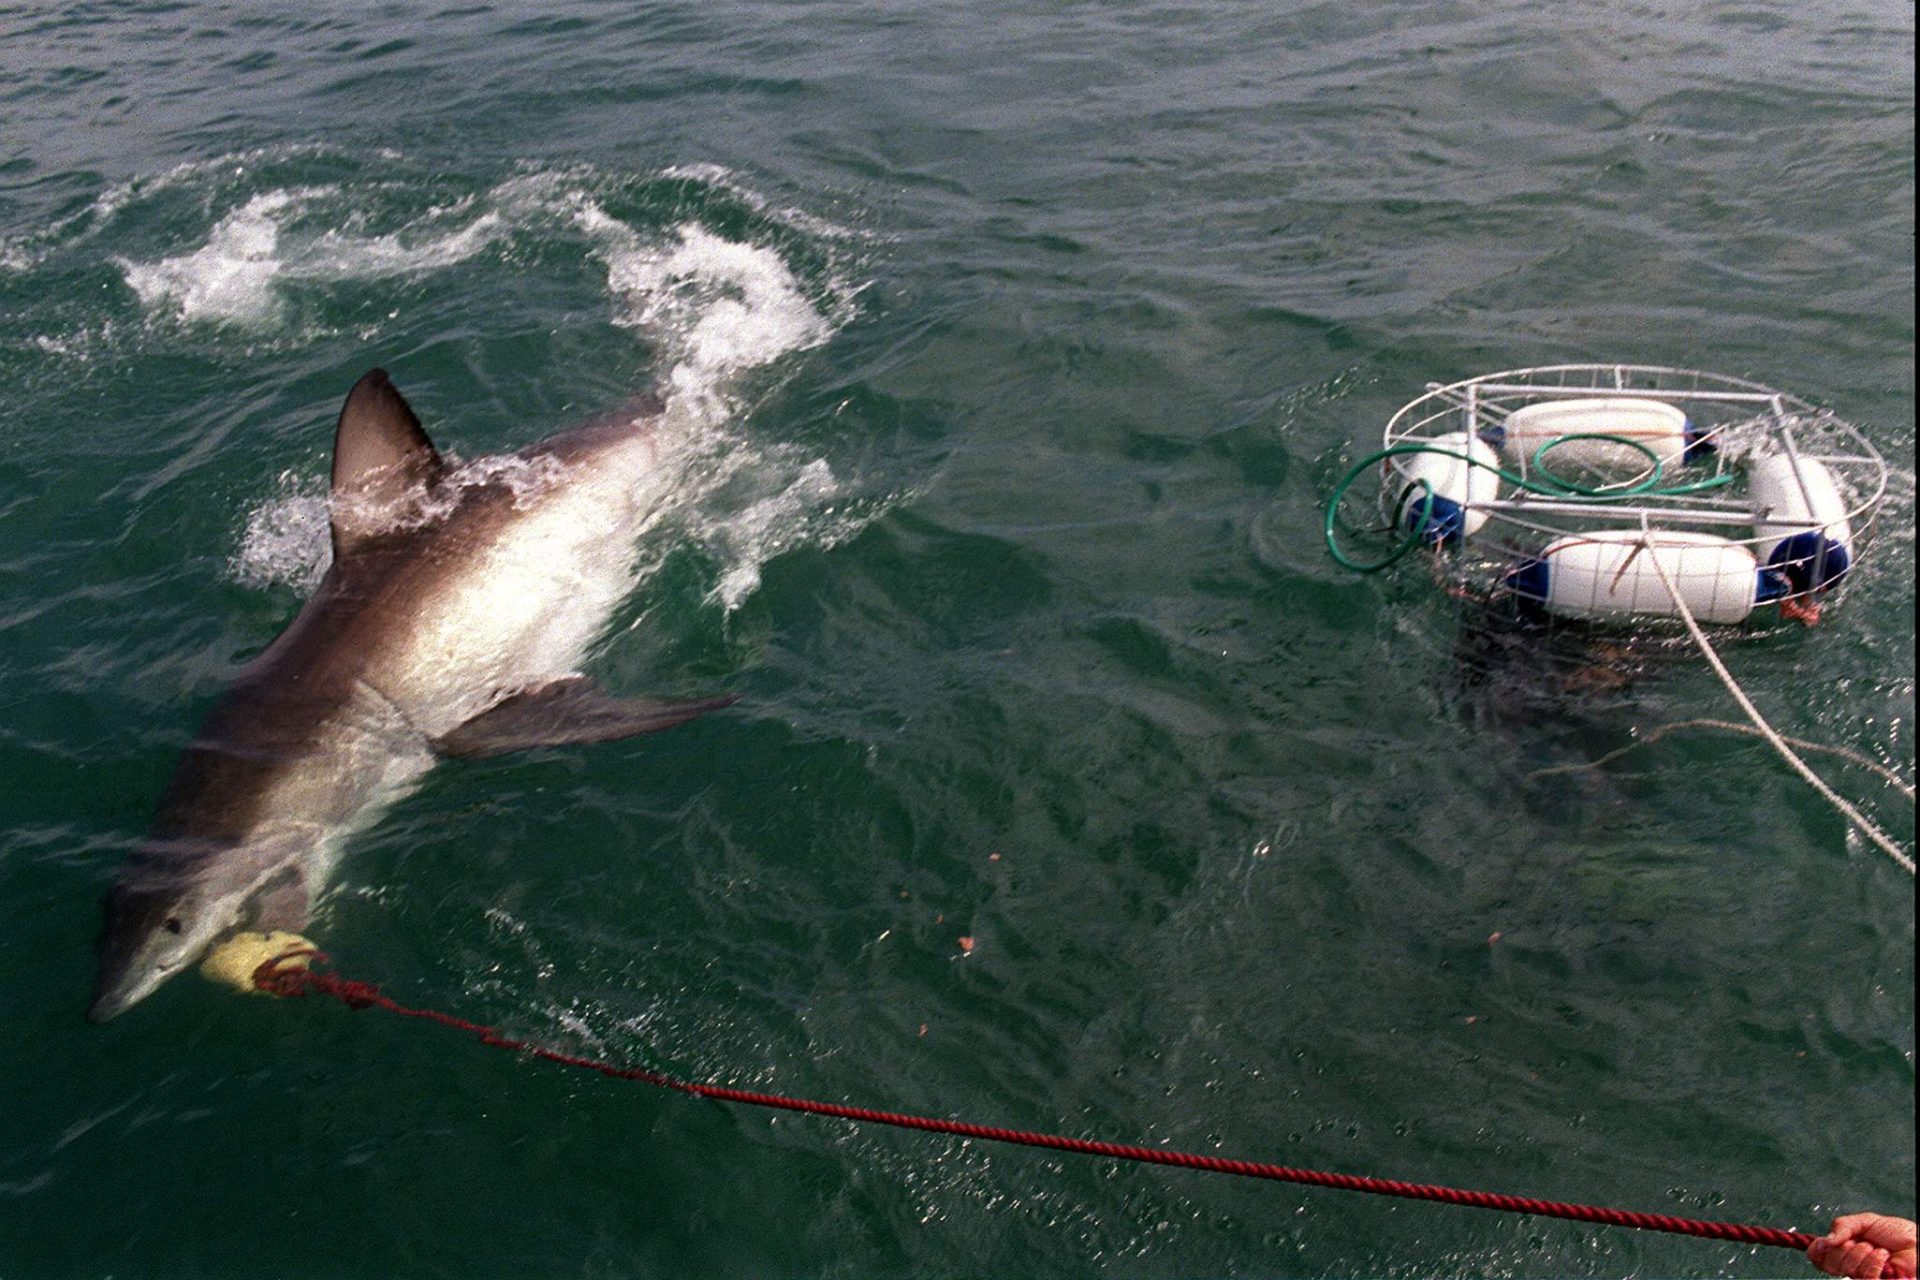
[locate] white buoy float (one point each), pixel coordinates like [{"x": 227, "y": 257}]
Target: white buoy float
[
  {"x": 1615, "y": 573},
  {"x": 1598, "y": 433},
  {"x": 1800, "y": 519},
  {"x": 1443, "y": 487}
]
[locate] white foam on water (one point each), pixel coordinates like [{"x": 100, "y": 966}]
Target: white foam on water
[
  {"x": 78, "y": 344},
  {"x": 767, "y": 528},
  {"x": 715, "y": 309},
  {"x": 709, "y": 174},
  {"x": 718, "y": 309},
  {"x": 288, "y": 538},
  {"x": 236, "y": 276},
  {"x": 723, "y": 178},
  {"x": 339, "y": 257},
  {"x": 230, "y": 277}
]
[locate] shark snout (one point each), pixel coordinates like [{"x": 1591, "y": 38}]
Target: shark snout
[
  {"x": 123, "y": 984},
  {"x": 108, "y": 1004},
  {"x": 116, "y": 992},
  {"x": 148, "y": 935}
]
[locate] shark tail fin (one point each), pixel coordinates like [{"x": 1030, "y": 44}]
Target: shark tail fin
[{"x": 568, "y": 711}]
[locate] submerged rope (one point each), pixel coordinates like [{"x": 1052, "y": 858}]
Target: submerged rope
[
  {"x": 1652, "y": 736},
  {"x": 277, "y": 977},
  {"x": 1834, "y": 798}
]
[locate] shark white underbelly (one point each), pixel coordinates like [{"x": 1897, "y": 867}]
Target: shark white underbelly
[{"x": 536, "y": 594}]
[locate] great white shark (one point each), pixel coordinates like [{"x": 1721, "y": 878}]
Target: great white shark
[{"x": 458, "y": 605}]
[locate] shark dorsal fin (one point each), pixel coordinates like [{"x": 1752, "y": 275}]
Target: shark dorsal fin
[{"x": 382, "y": 462}]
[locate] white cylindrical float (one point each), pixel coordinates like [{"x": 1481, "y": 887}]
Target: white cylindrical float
[
  {"x": 1571, "y": 428},
  {"x": 1457, "y": 486},
  {"x": 1612, "y": 574},
  {"x": 1800, "y": 516}
]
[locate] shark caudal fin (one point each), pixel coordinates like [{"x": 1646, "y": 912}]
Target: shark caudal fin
[
  {"x": 382, "y": 461},
  {"x": 568, "y": 711}
]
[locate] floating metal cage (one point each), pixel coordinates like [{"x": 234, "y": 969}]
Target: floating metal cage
[{"x": 1555, "y": 487}]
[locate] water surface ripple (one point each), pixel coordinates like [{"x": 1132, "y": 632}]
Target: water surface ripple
[{"x": 1025, "y": 343}]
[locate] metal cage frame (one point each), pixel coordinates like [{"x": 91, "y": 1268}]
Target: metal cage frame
[{"x": 1735, "y": 418}]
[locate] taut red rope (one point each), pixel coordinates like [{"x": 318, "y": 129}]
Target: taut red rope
[{"x": 282, "y": 979}]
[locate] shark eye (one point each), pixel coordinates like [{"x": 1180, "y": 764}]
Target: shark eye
[{"x": 172, "y": 924}]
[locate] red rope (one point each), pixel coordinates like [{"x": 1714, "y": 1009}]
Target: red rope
[{"x": 293, "y": 981}]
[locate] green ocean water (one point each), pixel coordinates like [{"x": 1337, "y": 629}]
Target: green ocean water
[{"x": 1028, "y": 342}]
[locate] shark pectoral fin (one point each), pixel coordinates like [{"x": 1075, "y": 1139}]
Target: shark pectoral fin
[{"x": 570, "y": 710}]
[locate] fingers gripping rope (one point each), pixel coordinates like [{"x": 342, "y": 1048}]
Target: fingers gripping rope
[{"x": 278, "y": 977}]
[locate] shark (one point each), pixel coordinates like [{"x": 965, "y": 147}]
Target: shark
[{"x": 451, "y": 622}]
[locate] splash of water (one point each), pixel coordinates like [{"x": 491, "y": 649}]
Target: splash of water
[
  {"x": 725, "y": 307},
  {"x": 238, "y": 274},
  {"x": 768, "y": 527},
  {"x": 287, "y": 538},
  {"x": 716, "y": 308},
  {"x": 230, "y": 277}
]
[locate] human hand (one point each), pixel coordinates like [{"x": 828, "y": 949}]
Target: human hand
[{"x": 1866, "y": 1246}]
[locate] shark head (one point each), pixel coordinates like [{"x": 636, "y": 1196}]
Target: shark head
[
  {"x": 253, "y": 792},
  {"x": 158, "y": 923}
]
